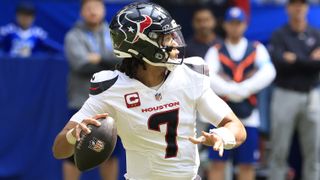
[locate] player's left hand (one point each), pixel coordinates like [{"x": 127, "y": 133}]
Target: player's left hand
[{"x": 209, "y": 139}]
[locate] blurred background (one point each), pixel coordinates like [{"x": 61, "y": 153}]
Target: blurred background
[{"x": 34, "y": 94}]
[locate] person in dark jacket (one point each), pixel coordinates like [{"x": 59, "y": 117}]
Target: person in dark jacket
[
  {"x": 295, "y": 105},
  {"x": 204, "y": 37}
]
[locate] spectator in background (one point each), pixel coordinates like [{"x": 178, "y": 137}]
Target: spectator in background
[
  {"x": 295, "y": 49},
  {"x": 239, "y": 69},
  {"x": 203, "y": 23},
  {"x": 88, "y": 48},
  {"x": 22, "y": 38}
]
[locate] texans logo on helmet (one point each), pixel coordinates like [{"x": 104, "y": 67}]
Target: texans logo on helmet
[{"x": 132, "y": 29}]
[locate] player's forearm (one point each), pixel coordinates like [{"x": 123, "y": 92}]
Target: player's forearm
[
  {"x": 62, "y": 148},
  {"x": 260, "y": 79},
  {"x": 232, "y": 123}
]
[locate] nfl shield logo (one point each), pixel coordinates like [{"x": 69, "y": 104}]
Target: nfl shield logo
[
  {"x": 96, "y": 145},
  {"x": 158, "y": 96}
]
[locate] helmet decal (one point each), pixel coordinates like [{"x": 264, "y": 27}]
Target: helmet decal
[{"x": 133, "y": 29}]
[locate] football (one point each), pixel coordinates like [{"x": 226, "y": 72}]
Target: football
[{"x": 97, "y": 146}]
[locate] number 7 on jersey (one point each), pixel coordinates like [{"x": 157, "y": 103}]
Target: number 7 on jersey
[{"x": 171, "y": 119}]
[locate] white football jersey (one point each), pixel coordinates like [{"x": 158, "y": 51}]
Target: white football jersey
[{"x": 154, "y": 125}]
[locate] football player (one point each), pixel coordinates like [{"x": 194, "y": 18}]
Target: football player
[{"x": 154, "y": 98}]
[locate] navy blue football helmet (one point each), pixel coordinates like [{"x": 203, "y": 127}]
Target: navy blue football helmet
[{"x": 138, "y": 31}]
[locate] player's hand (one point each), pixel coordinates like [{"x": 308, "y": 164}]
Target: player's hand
[
  {"x": 290, "y": 57},
  {"x": 83, "y": 126},
  {"x": 209, "y": 139},
  {"x": 315, "y": 55},
  {"x": 94, "y": 58}
]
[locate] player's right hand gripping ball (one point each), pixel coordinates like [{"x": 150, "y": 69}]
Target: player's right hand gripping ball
[{"x": 96, "y": 147}]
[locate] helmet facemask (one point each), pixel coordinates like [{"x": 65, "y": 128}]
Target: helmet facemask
[
  {"x": 171, "y": 46},
  {"x": 173, "y": 43}
]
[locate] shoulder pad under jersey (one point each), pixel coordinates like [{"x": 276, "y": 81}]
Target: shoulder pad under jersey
[
  {"x": 197, "y": 64},
  {"x": 102, "y": 81}
]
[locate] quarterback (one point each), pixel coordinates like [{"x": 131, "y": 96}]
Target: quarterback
[{"x": 154, "y": 98}]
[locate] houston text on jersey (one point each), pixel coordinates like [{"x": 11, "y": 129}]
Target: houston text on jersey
[{"x": 164, "y": 106}]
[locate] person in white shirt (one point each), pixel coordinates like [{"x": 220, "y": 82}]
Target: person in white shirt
[
  {"x": 153, "y": 98},
  {"x": 239, "y": 69}
]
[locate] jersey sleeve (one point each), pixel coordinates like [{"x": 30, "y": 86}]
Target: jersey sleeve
[
  {"x": 211, "y": 107},
  {"x": 197, "y": 64},
  {"x": 97, "y": 101},
  {"x": 40, "y": 33},
  {"x": 93, "y": 106},
  {"x": 212, "y": 60},
  {"x": 5, "y": 30}
]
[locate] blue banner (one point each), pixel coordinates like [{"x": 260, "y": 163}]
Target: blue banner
[{"x": 33, "y": 109}]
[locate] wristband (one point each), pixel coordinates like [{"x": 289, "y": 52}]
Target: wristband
[
  {"x": 229, "y": 141},
  {"x": 70, "y": 138}
]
